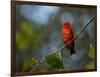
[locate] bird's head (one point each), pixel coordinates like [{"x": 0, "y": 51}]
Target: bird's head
[{"x": 66, "y": 25}]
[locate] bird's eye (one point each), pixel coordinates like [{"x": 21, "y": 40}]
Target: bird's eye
[{"x": 68, "y": 23}]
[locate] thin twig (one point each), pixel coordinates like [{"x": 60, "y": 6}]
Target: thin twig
[{"x": 64, "y": 45}]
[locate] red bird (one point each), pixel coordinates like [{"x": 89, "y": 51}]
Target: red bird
[{"x": 67, "y": 36}]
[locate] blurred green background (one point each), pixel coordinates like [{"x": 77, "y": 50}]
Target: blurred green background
[{"x": 38, "y": 33}]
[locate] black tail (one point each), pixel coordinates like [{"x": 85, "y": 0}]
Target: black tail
[{"x": 72, "y": 51}]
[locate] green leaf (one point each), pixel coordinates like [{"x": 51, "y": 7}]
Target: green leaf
[
  {"x": 90, "y": 65},
  {"x": 54, "y": 61},
  {"x": 21, "y": 40},
  {"x": 26, "y": 28},
  {"x": 27, "y": 64},
  {"x": 91, "y": 52}
]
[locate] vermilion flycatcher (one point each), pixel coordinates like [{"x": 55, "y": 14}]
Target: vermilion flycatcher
[{"x": 67, "y": 36}]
